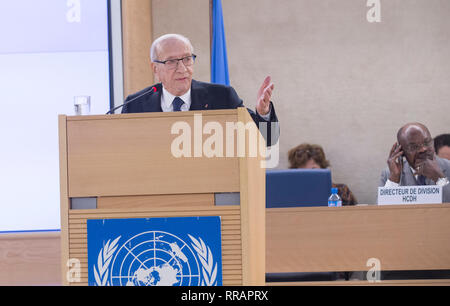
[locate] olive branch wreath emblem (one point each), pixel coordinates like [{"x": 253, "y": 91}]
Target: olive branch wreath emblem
[
  {"x": 206, "y": 258},
  {"x": 204, "y": 254},
  {"x": 103, "y": 261}
]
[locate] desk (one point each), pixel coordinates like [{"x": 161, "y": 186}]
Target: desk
[
  {"x": 309, "y": 239},
  {"x": 30, "y": 259},
  {"x": 325, "y": 239}
]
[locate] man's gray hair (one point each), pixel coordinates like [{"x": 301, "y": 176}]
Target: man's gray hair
[{"x": 154, "y": 50}]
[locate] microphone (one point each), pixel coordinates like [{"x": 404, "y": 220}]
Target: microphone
[{"x": 150, "y": 91}]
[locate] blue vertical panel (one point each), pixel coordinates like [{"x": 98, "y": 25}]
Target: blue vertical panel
[{"x": 219, "y": 61}]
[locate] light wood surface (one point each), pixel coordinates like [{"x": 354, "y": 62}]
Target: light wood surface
[
  {"x": 127, "y": 162},
  {"x": 64, "y": 191},
  {"x": 143, "y": 163},
  {"x": 33, "y": 259},
  {"x": 156, "y": 201},
  {"x": 253, "y": 194},
  {"x": 319, "y": 239},
  {"x": 30, "y": 259},
  {"x": 136, "y": 40}
]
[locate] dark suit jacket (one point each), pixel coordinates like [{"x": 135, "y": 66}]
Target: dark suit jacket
[{"x": 204, "y": 96}]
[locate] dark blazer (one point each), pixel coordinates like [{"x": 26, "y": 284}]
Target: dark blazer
[{"x": 204, "y": 96}]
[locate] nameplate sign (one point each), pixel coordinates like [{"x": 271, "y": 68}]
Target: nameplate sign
[{"x": 430, "y": 194}]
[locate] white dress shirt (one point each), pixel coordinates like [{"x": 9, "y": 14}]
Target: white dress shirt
[{"x": 167, "y": 99}]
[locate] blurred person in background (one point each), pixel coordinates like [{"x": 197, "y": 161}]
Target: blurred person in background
[
  {"x": 312, "y": 156},
  {"x": 442, "y": 146}
]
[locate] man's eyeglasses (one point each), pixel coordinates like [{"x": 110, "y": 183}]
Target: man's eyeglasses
[
  {"x": 173, "y": 63},
  {"x": 416, "y": 147}
]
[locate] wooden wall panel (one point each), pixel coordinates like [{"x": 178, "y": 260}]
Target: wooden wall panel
[
  {"x": 30, "y": 259},
  {"x": 143, "y": 163},
  {"x": 253, "y": 192},
  {"x": 156, "y": 201},
  {"x": 137, "y": 39},
  {"x": 319, "y": 239}
]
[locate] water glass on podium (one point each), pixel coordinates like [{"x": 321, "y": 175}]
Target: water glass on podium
[{"x": 82, "y": 105}]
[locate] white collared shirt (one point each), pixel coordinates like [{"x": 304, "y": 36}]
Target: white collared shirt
[{"x": 167, "y": 99}]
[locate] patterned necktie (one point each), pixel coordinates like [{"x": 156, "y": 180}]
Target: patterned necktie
[
  {"x": 421, "y": 180},
  {"x": 177, "y": 102}
]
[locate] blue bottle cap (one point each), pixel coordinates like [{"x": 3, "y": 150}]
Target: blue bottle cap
[{"x": 334, "y": 190}]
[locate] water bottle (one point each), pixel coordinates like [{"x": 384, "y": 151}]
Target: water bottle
[{"x": 334, "y": 200}]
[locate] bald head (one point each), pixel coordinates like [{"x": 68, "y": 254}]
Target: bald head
[
  {"x": 411, "y": 128},
  {"x": 156, "y": 48},
  {"x": 416, "y": 142}
]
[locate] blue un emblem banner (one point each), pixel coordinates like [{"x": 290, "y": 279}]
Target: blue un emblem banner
[{"x": 179, "y": 251}]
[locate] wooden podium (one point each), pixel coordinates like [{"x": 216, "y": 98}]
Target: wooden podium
[{"x": 125, "y": 165}]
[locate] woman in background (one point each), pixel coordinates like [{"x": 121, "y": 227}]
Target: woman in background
[{"x": 312, "y": 156}]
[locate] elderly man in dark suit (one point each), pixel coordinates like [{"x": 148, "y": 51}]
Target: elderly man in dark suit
[
  {"x": 173, "y": 58},
  {"x": 421, "y": 167}
]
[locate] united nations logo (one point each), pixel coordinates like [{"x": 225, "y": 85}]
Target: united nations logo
[{"x": 156, "y": 258}]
